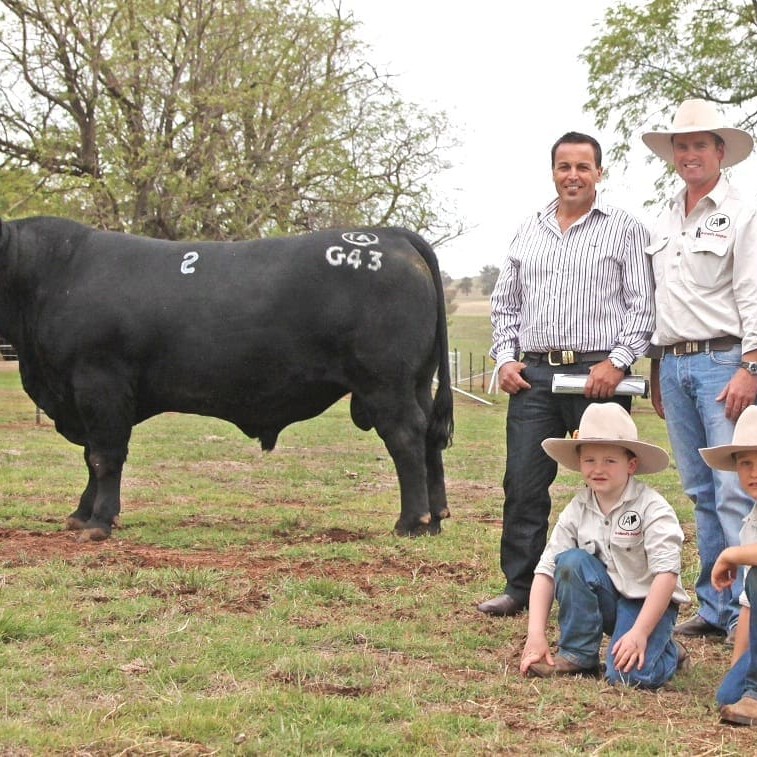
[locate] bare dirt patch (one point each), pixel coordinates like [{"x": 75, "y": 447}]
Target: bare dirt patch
[{"x": 19, "y": 548}]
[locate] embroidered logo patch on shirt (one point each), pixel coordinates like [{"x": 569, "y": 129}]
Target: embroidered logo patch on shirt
[
  {"x": 717, "y": 222},
  {"x": 630, "y": 521}
]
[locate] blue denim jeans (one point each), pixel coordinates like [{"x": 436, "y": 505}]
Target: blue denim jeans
[
  {"x": 689, "y": 386},
  {"x": 741, "y": 679},
  {"x": 534, "y": 415},
  {"x": 590, "y": 605}
]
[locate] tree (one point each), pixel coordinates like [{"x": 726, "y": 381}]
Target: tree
[
  {"x": 465, "y": 285},
  {"x": 212, "y": 118},
  {"x": 651, "y": 56},
  {"x": 488, "y": 278}
]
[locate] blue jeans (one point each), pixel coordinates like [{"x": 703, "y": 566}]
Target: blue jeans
[
  {"x": 590, "y": 605},
  {"x": 689, "y": 385},
  {"x": 741, "y": 679},
  {"x": 534, "y": 415}
]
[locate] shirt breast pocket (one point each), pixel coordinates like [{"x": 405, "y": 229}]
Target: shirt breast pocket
[{"x": 705, "y": 261}]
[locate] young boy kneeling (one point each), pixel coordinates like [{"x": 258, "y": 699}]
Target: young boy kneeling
[
  {"x": 737, "y": 695},
  {"x": 613, "y": 561}
]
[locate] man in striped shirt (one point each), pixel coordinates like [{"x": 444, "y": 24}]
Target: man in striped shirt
[{"x": 574, "y": 296}]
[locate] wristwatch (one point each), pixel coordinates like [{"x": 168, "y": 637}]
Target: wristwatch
[
  {"x": 621, "y": 366},
  {"x": 749, "y": 366}
]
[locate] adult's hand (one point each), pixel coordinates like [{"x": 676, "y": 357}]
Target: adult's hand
[
  {"x": 510, "y": 380},
  {"x": 740, "y": 392},
  {"x": 603, "y": 380}
]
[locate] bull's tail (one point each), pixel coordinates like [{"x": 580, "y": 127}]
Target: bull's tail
[{"x": 441, "y": 424}]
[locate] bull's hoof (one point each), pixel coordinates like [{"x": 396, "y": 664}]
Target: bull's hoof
[
  {"x": 426, "y": 526},
  {"x": 74, "y": 523},
  {"x": 94, "y": 531}
]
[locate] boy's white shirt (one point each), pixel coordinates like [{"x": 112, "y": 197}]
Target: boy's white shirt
[
  {"x": 748, "y": 535},
  {"x": 639, "y": 538}
]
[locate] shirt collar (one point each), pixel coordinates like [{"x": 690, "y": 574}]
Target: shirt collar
[
  {"x": 550, "y": 210},
  {"x": 717, "y": 194}
]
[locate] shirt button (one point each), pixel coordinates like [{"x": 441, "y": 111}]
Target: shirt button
[{"x": 607, "y": 522}]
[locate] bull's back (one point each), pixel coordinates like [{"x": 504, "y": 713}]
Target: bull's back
[{"x": 201, "y": 326}]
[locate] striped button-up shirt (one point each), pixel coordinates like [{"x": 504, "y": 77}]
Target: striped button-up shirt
[{"x": 589, "y": 289}]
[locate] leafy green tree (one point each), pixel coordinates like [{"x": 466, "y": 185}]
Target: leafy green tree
[
  {"x": 488, "y": 278},
  {"x": 212, "y": 118},
  {"x": 650, "y": 56},
  {"x": 465, "y": 285}
]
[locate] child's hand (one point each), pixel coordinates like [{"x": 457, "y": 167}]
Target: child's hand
[
  {"x": 724, "y": 573},
  {"x": 629, "y": 651},
  {"x": 535, "y": 651}
]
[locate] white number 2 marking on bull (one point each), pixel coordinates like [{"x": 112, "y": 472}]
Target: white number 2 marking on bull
[
  {"x": 187, "y": 265},
  {"x": 337, "y": 256}
]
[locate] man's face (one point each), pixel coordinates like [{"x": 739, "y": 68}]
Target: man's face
[
  {"x": 697, "y": 157},
  {"x": 576, "y": 174}
]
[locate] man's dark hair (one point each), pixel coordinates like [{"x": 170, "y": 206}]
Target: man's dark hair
[{"x": 576, "y": 138}]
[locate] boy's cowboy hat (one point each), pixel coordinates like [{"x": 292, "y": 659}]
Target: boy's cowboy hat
[
  {"x": 700, "y": 115},
  {"x": 744, "y": 440},
  {"x": 607, "y": 423}
]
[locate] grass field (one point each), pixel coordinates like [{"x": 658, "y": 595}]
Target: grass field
[{"x": 259, "y": 604}]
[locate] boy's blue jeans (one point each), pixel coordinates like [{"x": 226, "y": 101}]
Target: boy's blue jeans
[
  {"x": 741, "y": 679},
  {"x": 590, "y": 605}
]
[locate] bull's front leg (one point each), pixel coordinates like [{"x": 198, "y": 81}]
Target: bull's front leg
[
  {"x": 100, "y": 503},
  {"x": 79, "y": 517}
]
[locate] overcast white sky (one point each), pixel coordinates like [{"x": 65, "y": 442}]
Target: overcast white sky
[{"x": 508, "y": 75}]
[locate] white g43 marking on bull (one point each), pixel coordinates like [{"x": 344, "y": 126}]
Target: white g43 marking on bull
[
  {"x": 187, "y": 264},
  {"x": 337, "y": 255}
]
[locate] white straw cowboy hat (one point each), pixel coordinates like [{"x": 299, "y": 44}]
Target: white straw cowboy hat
[
  {"x": 744, "y": 440},
  {"x": 607, "y": 423},
  {"x": 700, "y": 115}
]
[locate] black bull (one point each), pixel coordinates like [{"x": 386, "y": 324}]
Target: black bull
[{"x": 112, "y": 329}]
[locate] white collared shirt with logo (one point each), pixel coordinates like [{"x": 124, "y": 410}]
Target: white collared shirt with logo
[
  {"x": 638, "y": 539},
  {"x": 705, "y": 269},
  {"x": 748, "y": 535}
]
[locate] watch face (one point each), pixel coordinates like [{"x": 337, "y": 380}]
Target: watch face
[{"x": 751, "y": 367}]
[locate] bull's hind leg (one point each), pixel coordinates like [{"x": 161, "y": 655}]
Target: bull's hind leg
[
  {"x": 402, "y": 426},
  {"x": 437, "y": 492}
]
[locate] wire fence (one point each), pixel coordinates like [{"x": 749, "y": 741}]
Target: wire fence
[
  {"x": 470, "y": 372},
  {"x": 7, "y": 350}
]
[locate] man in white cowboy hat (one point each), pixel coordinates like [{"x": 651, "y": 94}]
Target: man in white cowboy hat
[
  {"x": 737, "y": 695},
  {"x": 574, "y": 295},
  {"x": 704, "y": 374},
  {"x": 613, "y": 561}
]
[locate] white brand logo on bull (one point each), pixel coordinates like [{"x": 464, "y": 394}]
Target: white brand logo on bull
[
  {"x": 190, "y": 258},
  {"x": 360, "y": 238},
  {"x": 337, "y": 256},
  {"x": 630, "y": 521},
  {"x": 717, "y": 222}
]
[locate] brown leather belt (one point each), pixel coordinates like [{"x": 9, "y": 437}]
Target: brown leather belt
[
  {"x": 694, "y": 347},
  {"x": 565, "y": 357}
]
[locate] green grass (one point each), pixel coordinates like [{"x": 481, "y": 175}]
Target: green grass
[{"x": 258, "y": 603}]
